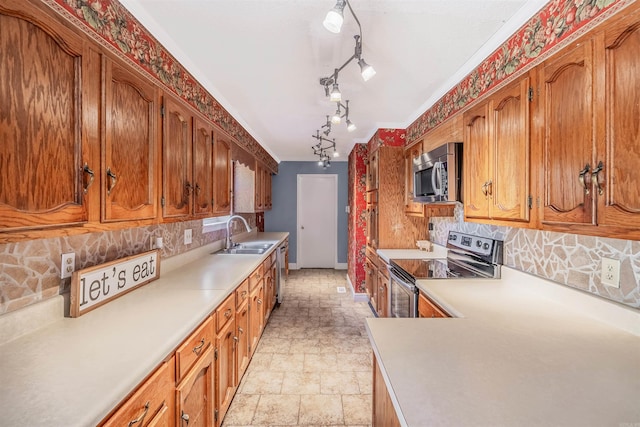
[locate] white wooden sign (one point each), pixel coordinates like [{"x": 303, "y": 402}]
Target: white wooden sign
[{"x": 94, "y": 286}]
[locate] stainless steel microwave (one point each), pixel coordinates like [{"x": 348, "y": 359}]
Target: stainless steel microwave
[{"x": 437, "y": 175}]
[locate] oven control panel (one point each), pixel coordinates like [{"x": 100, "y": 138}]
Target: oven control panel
[{"x": 482, "y": 246}]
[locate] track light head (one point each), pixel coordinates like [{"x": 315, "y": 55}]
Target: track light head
[
  {"x": 335, "y": 95},
  {"x": 335, "y": 17},
  {"x": 366, "y": 70},
  {"x": 350, "y": 126}
]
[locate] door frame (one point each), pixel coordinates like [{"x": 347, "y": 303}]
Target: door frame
[{"x": 333, "y": 227}]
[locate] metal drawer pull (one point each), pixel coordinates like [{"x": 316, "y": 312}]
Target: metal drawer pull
[
  {"x": 114, "y": 180},
  {"x": 243, "y": 294},
  {"x": 581, "y": 175},
  {"x": 259, "y": 301},
  {"x": 141, "y": 417},
  {"x": 197, "y": 348},
  {"x": 197, "y": 189},
  {"x": 594, "y": 175},
  {"x": 240, "y": 330},
  {"x": 236, "y": 339},
  {"x": 86, "y": 169},
  {"x": 185, "y": 417},
  {"x": 227, "y": 313}
]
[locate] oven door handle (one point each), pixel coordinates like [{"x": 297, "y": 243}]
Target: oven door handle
[{"x": 408, "y": 286}]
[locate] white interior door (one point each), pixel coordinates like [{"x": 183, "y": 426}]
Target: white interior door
[{"x": 317, "y": 221}]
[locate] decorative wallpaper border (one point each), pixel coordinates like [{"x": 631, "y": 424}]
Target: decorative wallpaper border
[
  {"x": 357, "y": 217},
  {"x": 558, "y": 21},
  {"x": 114, "y": 27},
  {"x": 387, "y": 138}
]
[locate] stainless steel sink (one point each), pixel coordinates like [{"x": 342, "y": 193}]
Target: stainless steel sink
[
  {"x": 244, "y": 250},
  {"x": 254, "y": 245}
]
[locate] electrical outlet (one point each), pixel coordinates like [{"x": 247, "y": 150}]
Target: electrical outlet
[
  {"x": 67, "y": 265},
  {"x": 611, "y": 272},
  {"x": 188, "y": 236}
]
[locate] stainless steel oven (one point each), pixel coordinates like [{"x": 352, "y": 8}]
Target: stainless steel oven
[{"x": 468, "y": 257}]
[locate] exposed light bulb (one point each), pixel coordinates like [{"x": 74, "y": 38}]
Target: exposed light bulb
[
  {"x": 366, "y": 70},
  {"x": 336, "y": 154},
  {"x": 335, "y": 96},
  {"x": 320, "y": 163},
  {"x": 350, "y": 126},
  {"x": 336, "y": 119}
]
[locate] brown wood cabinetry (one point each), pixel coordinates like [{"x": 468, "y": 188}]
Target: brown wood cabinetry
[
  {"x": 203, "y": 179},
  {"x": 152, "y": 404},
  {"x": 242, "y": 332},
  {"x": 427, "y": 308},
  {"x": 410, "y": 207},
  {"x": 371, "y": 278},
  {"x": 590, "y": 134},
  {"x": 128, "y": 170},
  {"x": 256, "y": 313},
  {"x": 384, "y": 414},
  {"x": 221, "y": 176},
  {"x": 195, "y": 394},
  {"x": 42, "y": 154},
  {"x": 269, "y": 287},
  {"x": 382, "y": 282},
  {"x": 225, "y": 358},
  {"x": 190, "y": 351},
  {"x": 177, "y": 172},
  {"x": 496, "y": 156}
]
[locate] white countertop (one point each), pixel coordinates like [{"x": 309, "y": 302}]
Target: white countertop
[
  {"x": 75, "y": 371},
  {"x": 514, "y": 356},
  {"x": 387, "y": 254}
]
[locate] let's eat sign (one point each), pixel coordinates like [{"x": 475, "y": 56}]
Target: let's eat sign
[{"x": 94, "y": 286}]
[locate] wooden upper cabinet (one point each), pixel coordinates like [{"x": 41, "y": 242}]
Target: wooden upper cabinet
[
  {"x": 510, "y": 149},
  {"x": 410, "y": 207},
  {"x": 569, "y": 136},
  {"x": 496, "y": 156},
  {"x": 176, "y": 160},
  {"x": 266, "y": 188},
  {"x": 129, "y": 189},
  {"x": 476, "y": 162},
  {"x": 41, "y": 111},
  {"x": 372, "y": 171},
  {"x": 202, "y": 168},
  {"x": 619, "y": 203},
  {"x": 259, "y": 193},
  {"x": 221, "y": 176}
]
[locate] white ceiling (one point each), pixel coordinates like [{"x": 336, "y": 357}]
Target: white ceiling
[{"x": 262, "y": 59}]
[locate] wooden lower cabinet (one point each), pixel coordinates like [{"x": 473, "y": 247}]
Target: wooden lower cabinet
[
  {"x": 384, "y": 414},
  {"x": 153, "y": 404},
  {"x": 195, "y": 394},
  {"x": 427, "y": 308},
  {"x": 242, "y": 346},
  {"x": 382, "y": 303},
  {"x": 256, "y": 316},
  {"x": 225, "y": 359}
]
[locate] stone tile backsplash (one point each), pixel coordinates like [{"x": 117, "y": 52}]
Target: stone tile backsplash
[
  {"x": 569, "y": 259},
  {"x": 30, "y": 270}
]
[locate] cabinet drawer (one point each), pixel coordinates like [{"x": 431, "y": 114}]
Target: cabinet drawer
[
  {"x": 225, "y": 311},
  {"x": 255, "y": 278},
  {"x": 242, "y": 293},
  {"x": 191, "y": 350},
  {"x": 153, "y": 400},
  {"x": 428, "y": 309}
]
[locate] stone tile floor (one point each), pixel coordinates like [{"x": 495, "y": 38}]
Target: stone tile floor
[{"x": 312, "y": 366}]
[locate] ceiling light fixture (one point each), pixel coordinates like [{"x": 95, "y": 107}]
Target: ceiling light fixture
[
  {"x": 335, "y": 17},
  {"x": 321, "y": 149},
  {"x": 335, "y": 95}
]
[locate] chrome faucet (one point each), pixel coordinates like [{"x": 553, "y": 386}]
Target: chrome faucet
[{"x": 228, "y": 244}]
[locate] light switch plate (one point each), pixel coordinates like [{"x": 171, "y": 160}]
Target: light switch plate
[
  {"x": 611, "y": 272},
  {"x": 188, "y": 236},
  {"x": 67, "y": 265}
]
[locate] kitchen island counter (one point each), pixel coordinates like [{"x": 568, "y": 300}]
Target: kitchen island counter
[{"x": 518, "y": 352}]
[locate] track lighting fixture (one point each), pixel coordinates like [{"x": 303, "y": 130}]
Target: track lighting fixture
[
  {"x": 335, "y": 95},
  {"x": 350, "y": 126},
  {"x": 322, "y": 148}
]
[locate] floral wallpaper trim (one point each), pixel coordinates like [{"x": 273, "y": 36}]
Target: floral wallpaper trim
[
  {"x": 556, "y": 22},
  {"x": 387, "y": 138},
  {"x": 114, "y": 27},
  {"x": 357, "y": 217}
]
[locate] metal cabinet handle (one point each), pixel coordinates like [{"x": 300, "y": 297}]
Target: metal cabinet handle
[
  {"x": 86, "y": 169},
  {"x": 236, "y": 339},
  {"x": 197, "y": 348},
  {"x": 114, "y": 180},
  {"x": 198, "y": 189},
  {"x": 259, "y": 301},
  {"x": 484, "y": 188},
  {"x": 581, "y": 176},
  {"x": 188, "y": 188},
  {"x": 185, "y": 417},
  {"x": 227, "y": 313},
  {"x": 490, "y": 187},
  {"x": 141, "y": 417},
  {"x": 240, "y": 330},
  {"x": 243, "y": 294},
  {"x": 595, "y": 174}
]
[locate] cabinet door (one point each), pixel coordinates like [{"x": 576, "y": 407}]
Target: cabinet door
[
  {"x": 410, "y": 207},
  {"x": 369, "y": 275},
  {"x": 128, "y": 169},
  {"x": 569, "y": 136},
  {"x": 202, "y": 168},
  {"x": 225, "y": 367},
  {"x": 222, "y": 176},
  {"x": 195, "y": 394},
  {"x": 176, "y": 160},
  {"x": 268, "y": 204},
  {"x": 477, "y": 178},
  {"x": 372, "y": 171},
  {"x": 259, "y": 188},
  {"x": 383, "y": 298},
  {"x": 384, "y": 414},
  {"x": 509, "y": 166},
  {"x": 619, "y": 203},
  {"x": 256, "y": 316},
  {"x": 41, "y": 152},
  {"x": 242, "y": 348}
]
